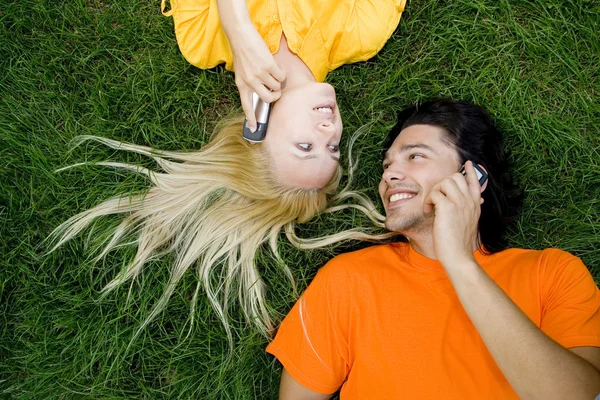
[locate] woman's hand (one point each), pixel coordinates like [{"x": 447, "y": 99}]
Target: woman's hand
[
  {"x": 456, "y": 202},
  {"x": 254, "y": 65},
  {"x": 255, "y": 71}
]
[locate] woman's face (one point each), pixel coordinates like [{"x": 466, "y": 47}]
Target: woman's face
[{"x": 304, "y": 134}]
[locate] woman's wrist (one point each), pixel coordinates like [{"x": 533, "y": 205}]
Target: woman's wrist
[{"x": 238, "y": 35}]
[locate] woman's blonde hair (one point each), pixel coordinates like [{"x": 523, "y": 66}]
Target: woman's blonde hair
[{"x": 214, "y": 208}]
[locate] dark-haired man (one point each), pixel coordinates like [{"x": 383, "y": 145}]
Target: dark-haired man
[{"x": 453, "y": 313}]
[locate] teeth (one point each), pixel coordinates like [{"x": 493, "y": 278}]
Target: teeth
[
  {"x": 401, "y": 196},
  {"x": 326, "y": 110}
]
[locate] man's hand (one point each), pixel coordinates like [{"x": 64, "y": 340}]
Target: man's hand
[
  {"x": 456, "y": 202},
  {"x": 534, "y": 365}
]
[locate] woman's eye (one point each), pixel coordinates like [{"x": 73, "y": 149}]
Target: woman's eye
[
  {"x": 385, "y": 166},
  {"x": 305, "y": 146},
  {"x": 334, "y": 148},
  {"x": 413, "y": 156}
]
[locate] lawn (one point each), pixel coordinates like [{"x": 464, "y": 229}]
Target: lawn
[{"x": 112, "y": 68}]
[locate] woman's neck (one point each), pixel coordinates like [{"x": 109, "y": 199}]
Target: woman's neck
[{"x": 296, "y": 72}]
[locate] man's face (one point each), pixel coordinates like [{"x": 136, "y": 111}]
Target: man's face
[{"x": 419, "y": 158}]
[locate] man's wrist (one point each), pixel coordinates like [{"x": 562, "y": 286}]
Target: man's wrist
[{"x": 463, "y": 263}]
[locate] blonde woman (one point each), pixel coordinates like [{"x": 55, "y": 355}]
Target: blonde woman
[{"x": 215, "y": 207}]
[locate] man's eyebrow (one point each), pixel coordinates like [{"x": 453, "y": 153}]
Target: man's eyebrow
[
  {"x": 311, "y": 156},
  {"x": 411, "y": 146}
]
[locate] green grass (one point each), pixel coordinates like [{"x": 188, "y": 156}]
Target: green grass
[{"x": 112, "y": 68}]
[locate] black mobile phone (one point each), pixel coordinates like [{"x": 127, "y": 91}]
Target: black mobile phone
[
  {"x": 481, "y": 174},
  {"x": 262, "y": 110}
]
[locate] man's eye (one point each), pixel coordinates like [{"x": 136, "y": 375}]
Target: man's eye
[
  {"x": 385, "y": 166},
  {"x": 413, "y": 156},
  {"x": 305, "y": 146},
  {"x": 334, "y": 148}
]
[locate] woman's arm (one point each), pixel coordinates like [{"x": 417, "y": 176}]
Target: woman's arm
[{"x": 255, "y": 68}]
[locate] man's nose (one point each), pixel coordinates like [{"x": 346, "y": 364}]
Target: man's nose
[{"x": 393, "y": 173}]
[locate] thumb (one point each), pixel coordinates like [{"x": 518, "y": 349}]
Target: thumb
[
  {"x": 427, "y": 208},
  {"x": 427, "y": 204},
  {"x": 248, "y": 108},
  {"x": 431, "y": 200}
]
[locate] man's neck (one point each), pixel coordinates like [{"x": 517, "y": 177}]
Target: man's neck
[
  {"x": 296, "y": 72},
  {"x": 422, "y": 243}
]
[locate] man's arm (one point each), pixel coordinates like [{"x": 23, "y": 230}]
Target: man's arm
[
  {"x": 534, "y": 365},
  {"x": 592, "y": 354},
  {"x": 290, "y": 389}
]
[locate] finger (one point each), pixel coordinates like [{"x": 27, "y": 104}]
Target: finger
[
  {"x": 461, "y": 182},
  {"x": 427, "y": 204},
  {"x": 271, "y": 83},
  {"x": 277, "y": 72},
  {"x": 434, "y": 199},
  {"x": 264, "y": 93},
  {"x": 276, "y": 95},
  {"x": 247, "y": 106},
  {"x": 473, "y": 181},
  {"x": 451, "y": 190}
]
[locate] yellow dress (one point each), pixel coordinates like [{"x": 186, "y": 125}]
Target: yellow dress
[{"x": 324, "y": 34}]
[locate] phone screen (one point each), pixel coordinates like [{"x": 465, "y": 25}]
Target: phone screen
[{"x": 481, "y": 174}]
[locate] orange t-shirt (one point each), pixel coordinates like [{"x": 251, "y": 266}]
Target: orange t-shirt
[{"x": 385, "y": 323}]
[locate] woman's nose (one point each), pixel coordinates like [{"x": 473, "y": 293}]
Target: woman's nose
[{"x": 327, "y": 127}]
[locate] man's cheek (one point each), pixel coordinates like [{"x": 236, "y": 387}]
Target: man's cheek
[{"x": 381, "y": 191}]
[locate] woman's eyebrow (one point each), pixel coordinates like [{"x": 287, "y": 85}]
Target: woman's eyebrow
[{"x": 311, "y": 156}]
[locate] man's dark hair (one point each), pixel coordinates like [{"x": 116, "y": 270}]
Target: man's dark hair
[{"x": 474, "y": 135}]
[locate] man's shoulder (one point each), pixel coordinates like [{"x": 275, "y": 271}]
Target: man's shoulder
[
  {"x": 538, "y": 261},
  {"x": 524, "y": 255}
]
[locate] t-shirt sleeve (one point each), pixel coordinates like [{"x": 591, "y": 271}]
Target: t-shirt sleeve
[
  {"x": 570, "y": 300},
  {"x": 310, "y": 342}
]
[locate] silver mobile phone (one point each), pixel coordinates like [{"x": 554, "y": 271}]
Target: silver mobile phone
[{"x": 262, "y": 110}]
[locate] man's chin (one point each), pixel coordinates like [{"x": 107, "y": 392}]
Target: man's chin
[{"x": 404, "y": 224}]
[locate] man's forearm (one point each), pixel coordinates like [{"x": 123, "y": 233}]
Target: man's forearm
[
  {"x": 535, "y": 365},
  {"x": 235, "y": 19}
]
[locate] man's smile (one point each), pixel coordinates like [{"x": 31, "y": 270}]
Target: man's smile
[{"x": 397, "y": 197}]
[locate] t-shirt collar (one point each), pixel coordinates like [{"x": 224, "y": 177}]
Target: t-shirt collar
[{"x": 419, "y": 260}]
